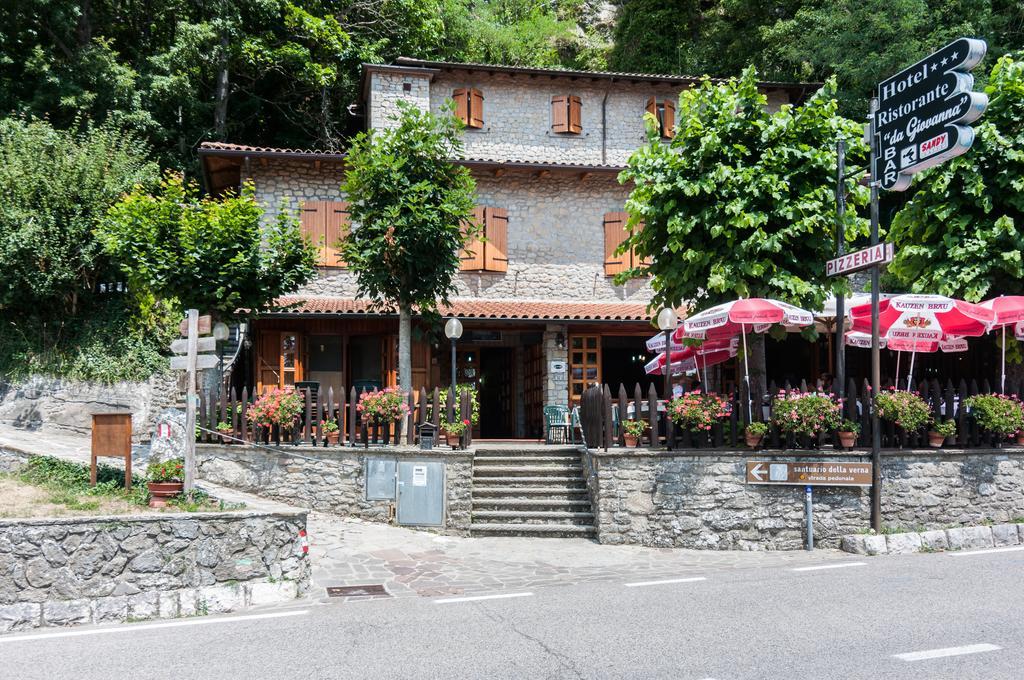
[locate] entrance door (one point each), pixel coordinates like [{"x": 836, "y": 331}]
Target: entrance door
[
  {"x": 497, "y": 393},
  {"x": 279, "y": 362}
]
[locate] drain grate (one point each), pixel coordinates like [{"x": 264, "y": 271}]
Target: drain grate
[{"x": 375, "y": 590}]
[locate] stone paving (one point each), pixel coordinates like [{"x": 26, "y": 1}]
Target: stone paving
[{"x": 348, "y": 552}]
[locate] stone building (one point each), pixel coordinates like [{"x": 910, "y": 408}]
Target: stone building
[{"x": 543, "y": 317}]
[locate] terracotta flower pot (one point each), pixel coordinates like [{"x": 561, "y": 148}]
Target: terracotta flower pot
[
  {"x": 453, "y": 439},
  {"x": 160, "y": 492},
  {"x": 1019, "y": 439},
  {"x": 847, "y": 440},
  {"x": 332, "y": 438},
  {"x": 753, "y": 440},
  {"x": 631, "y": 440},
  {"x": 936, "y": 440}
]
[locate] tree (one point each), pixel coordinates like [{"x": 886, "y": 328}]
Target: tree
[
  {"x": 741, "y": 202},
  {"x": 411, "y": 208},
  {"x": 55, "y": 187},
  {"x": 212, "y": 255},
  {"x": 962, "y": 232}
]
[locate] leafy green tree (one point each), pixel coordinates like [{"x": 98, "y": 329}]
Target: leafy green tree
[
  {"x": 409, "y": 206},
  {"x": 55, "y": 187},
  {"x": 962, "y": 232},
  {"x": 212, "y": 255},
  {"x": 741, "y": 202}
]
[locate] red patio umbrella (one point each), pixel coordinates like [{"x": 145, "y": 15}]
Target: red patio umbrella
[{"x": 1008, "y": 310}]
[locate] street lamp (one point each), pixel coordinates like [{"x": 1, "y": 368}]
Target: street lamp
[
  {"x": 453, "y": 331},
  {"x": 221, "y": 332},
  {"x": 667, "y": 321}
]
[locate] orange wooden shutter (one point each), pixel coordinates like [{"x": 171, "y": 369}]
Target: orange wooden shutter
[
  {"x": 559, "y": 114},
  {"x": 473, "y": 254},
  {"x": 335, "y": 230},
  {"x": 575, "y": 119},
  {"x": 668, "y": 120},
  {"x": 461, "y": 97},
  {"x": 476, "y": 109},
  {"x": 634, "y": 258},
  {"x": 311, "y": 219},
  {"x": 652, "y": 106},
  {"x": 496, "y": 248},
  {"x": 614, "y": 235}
]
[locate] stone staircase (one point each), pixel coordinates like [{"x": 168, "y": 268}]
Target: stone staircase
[{"x": 530, "y": 491}]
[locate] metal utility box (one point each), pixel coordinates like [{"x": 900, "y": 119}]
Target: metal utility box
[
  {"x": 421, "y": 493},
  {"x": 380, "y": 479}
]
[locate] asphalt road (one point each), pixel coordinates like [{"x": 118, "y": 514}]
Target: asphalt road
[{"x": 951, "y": 615}]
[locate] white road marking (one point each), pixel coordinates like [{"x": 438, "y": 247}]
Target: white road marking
[
  {"x": 947, "y": 651},
  {"x": 134, "y": 627},
  {"x": 666, "y": 581},
  {"x": 478, "y": 598},
  {"x": 987, "y": 551},
  {"x": 841, "y": 565}
]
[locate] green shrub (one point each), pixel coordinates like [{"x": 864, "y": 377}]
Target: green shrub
[{"x": 996, "y": 413}]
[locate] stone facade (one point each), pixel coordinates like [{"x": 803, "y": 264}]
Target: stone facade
[
  {"x": 388, "y": 85},
  {"x": 701, "y": 501},
  {"x": 333, "y": 480},
  {"x": 58, "y": 572},
  {"x": 66, "y": 406}
]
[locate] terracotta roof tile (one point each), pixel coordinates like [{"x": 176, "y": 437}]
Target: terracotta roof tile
[
  {"x": 257, "y": 150},
  {"x": 477, "y": 308}
]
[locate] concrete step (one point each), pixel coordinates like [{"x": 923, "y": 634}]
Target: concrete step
[
  {"x": 553, "y": 468},
  {"x": 531, "y": 503},
  {"x": 550, "y": 492},
  {"x": 547, "y": 516},
  {"x": 527, "y": 460},
  {"x": 554, "y": 530},
  {"x": 574, "y": 482},
  {"x": 532, "y": 451}
]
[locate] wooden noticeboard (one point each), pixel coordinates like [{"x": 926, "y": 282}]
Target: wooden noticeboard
[{"x": 112, "y": 436}]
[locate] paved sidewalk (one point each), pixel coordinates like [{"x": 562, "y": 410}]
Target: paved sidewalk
[{"x": 348, "y": 552}]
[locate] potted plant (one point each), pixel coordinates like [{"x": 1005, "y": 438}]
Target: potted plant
[
  {"x": 698, "y": 412},
  {"x": 280, "y": 406},
  {"x": 453, "y": 431},
  {"x": 632, "y": 430},
  {"x": 906, "y": 409},
  {"x": 940, "y": 432},
  {"x": 848, "y": 431},
  {"x": 1019, "y": 438},
  {"x": 165, "y": 479},
  {"x": 383, "y": 407},
  {"x": 224, "y": 429},
  {"x": 805, "y": 413},
  {"x": 754, "y": 434},
  {"x": 996, "y": 414},
  {"x": 331, "y": 432}
]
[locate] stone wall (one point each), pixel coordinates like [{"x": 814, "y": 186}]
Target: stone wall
[
  {"x": 671, "y": 499},
  {"x": 333, "y": 480},
  {"x": 66, "y": 406},
  {"x": 387, "y": 88},
  {"x": 75, "y": 570}
]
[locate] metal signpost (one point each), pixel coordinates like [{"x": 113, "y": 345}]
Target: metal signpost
[
  {"x": 192, "y": 327},
  {"x": 918, "y": 120}
]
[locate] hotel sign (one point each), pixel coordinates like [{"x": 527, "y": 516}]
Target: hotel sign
[
  {"x": 861, "y": 259},
  {"x": 924, "y": 111}
]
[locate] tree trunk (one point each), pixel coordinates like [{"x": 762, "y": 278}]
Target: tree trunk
[
  {"x": 404, "y": 353},
  {"x": 220, "y": 113},
  {"x": 83, "y": 31},
  {"x": 757, "y": 364}
]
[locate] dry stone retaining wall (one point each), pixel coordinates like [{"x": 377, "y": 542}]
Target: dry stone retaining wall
[{"x": 701, "y": 501}]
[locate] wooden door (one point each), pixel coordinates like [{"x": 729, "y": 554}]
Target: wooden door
[
  {"x": 584, "y": 363},
  {"x": 279, "y": 361}
]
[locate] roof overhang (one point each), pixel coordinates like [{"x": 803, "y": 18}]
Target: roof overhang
[{"x": 397, "y": 69}]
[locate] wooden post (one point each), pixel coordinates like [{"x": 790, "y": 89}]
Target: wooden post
[
  {"x": 606, "y": 412},
  {"x": 652, "y": 413},
  {"x": 623, "y": 411},
  {"x": 353, "y": 399},
  {"x": 190, "y": 405}
]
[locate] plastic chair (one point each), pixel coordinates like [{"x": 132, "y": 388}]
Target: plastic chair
[{"x": 556, "y": 422}]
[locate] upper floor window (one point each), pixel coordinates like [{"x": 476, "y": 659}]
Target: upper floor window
[
  {"x": 469, "y": 106},
  {"x": 665, "y": 112},
  {"x": 489, "y": 253},
  {"x": 614, "y": 234},
  {"x": 326, "y": 223},
  {"x": 565, "y": 114}
]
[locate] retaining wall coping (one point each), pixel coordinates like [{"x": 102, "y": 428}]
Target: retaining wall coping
[
  {"x": 800, "y": 453},
  {"x": 287, "y": 450},
  {"x": 150, "y": 517}
]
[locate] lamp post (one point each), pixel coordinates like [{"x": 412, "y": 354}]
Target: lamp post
[
  {"x": 221, "y": 332},
  {"x": 453, "y": 331},
  {"x": 667, "y": 321}
]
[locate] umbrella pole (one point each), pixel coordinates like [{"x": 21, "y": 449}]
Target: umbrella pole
[
  {"x": 1002, "y": 378},
  {"x": 910, "y": 373},
  {"x": 898, "y": 355},
  {"x": 696, "y": 366},
  {"x": 746, "y": 375}
]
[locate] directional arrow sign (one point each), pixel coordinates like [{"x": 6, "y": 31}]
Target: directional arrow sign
[
  {"x": 208, "y": 344},
  {"x": 924, "y": 111},
  {"x": 809, "y": 473},
  {"x": 202, "y": 361},
  {"x": 757, "y": 472}
]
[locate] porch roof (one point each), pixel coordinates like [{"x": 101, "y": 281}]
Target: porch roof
[{"x": 474, "y": 308}]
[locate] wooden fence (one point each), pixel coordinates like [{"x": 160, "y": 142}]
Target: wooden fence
[
  {"x": 601, "y": 429},
  {"x": 230, "y": 406}
]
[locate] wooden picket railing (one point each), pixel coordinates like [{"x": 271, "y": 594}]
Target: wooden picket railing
[
  {"x": 601, "y": 428},
  {"x": 230, "y": 406}
]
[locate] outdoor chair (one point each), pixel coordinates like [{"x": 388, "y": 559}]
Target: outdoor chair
[{"x": 556, "y": 424}]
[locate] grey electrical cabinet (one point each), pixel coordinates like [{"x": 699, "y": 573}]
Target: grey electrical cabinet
[
  {"x": 421, "y": 493},
  {"x": 380, "y": 479}
]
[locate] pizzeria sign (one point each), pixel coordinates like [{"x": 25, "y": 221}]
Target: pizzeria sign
[{"x": 860, "y": 259}]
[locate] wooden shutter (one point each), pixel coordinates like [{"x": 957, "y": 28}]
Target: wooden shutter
[
  {"x": 668, "y": 119},
  {"x": 312, "y": 217},
  {"x": 614, "y": 235},
  {"x": 461, "y": 98},
  {"x": 652, "y": 106},
  {"x": 496, "y": 232},
  {"x": 634, "y": 258},
  {"x": 336, "y": 224},
  {"x": 476, "y": 109},
  {"x": 473, "y": 255},
  {"x": 575, "y": 119},
  {"x": 559, "y": 114}
]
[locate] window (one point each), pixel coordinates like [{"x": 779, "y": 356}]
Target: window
[
  {"x": 614, "y": 234},
  {"x": 489, "y": 250},
  {"x": 326, "y": 223},
  {"x": 584, "y": 363},
  {"x": 469, "y": 106},
  {"x": 565, "y": 114},
  {"x": 665, "y": 112}
]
